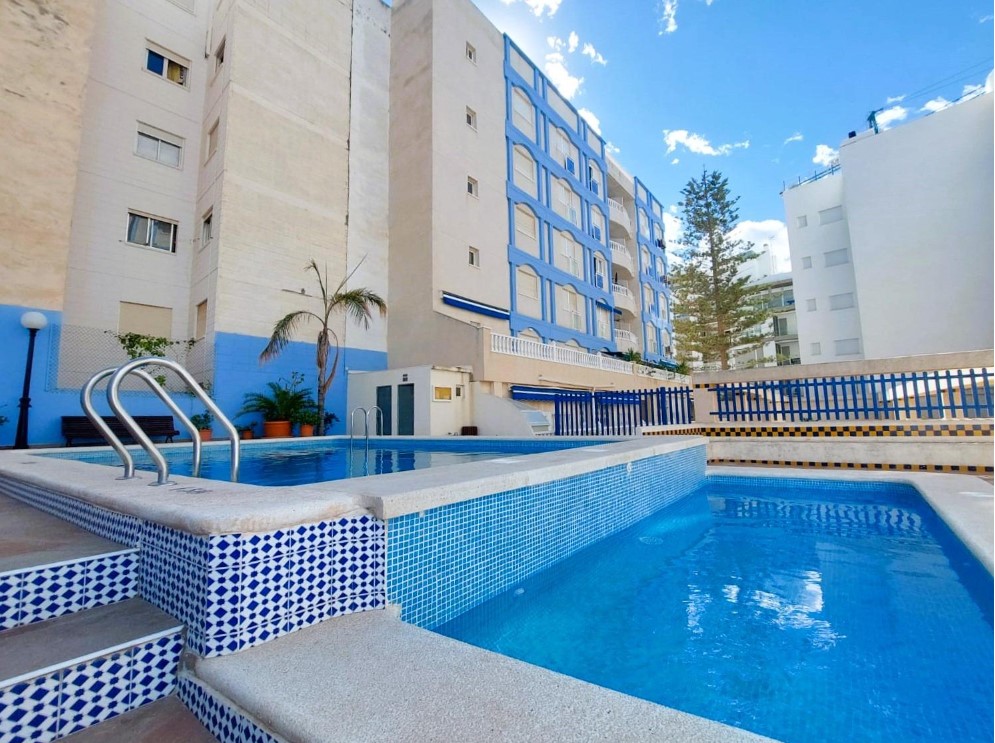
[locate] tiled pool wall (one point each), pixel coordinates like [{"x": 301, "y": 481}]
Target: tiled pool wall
[
  {"x": 234, "y": 591},
  {"x": 444, "y": 561}
]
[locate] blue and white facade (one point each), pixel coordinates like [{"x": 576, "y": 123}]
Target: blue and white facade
[{"x": 653, "y": 270}]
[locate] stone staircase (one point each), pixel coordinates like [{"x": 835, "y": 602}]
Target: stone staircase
[{"x": 78, "y": 646}]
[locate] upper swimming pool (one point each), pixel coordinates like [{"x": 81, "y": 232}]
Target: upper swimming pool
[
  {"x": 803, "y": 610},
  {"x": 305, "y": 461}
]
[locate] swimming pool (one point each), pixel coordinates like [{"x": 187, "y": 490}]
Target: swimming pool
[
  {"x": 804, "y": 610},
  {"x": 305, "y": 461}
]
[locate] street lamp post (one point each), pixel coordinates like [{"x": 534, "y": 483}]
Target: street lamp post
[{"x": 33, "y": 321}]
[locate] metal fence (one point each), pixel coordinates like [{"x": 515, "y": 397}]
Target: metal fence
[
  {"x": 959, "y": 393},
  {"x": 620, "y": 413}
]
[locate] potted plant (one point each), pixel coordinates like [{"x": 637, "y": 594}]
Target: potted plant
[
  {"x": 202, "y": 422},
  {"x": 307, "y": 420},
  {"x": 280, "y": 407},
  {"x": 246, "y": 431}
]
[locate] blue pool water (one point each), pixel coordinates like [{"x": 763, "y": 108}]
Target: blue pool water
[
  {"x": 804, "y": 611},
  {"x": 318, "y": 460}
]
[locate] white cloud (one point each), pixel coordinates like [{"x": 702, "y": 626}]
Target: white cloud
[
  {"x": 675, "y": 161},
  {"x": 972, "y": 90},
  {"x": 698, "y": 144},
  {"x": 668, "y": 17},
  {"x": 556, "y": 70},
  {"x": 937, "y": 104},
  {"x": 555, "y": 43},
  {"x": 767, "y": 235},
  {"x": 591, "y": 52},
  {"x": 538, "y": 7},
  {"x": 593, "y": 121},
  {"x": 572, "y": 41},
  {"x": 985, "y": 19},
  {"x": 894, "y": 99},
  {"x": 611, "y": 149},
  {"x": 673, "y": 230},
  {"x": 796, "y": 137},
  {"x": 825, "y": 155},
  {"x": 891, "y": 116}
]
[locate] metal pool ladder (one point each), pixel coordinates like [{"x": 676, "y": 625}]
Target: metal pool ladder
[
  {"x": 114, "y": 400},
  {"x": 366, "y": 432}
]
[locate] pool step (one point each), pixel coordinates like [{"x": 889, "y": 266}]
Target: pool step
[
  {"x": 66, "y": 674},
  {"x": 49, "y": 568},
  {"x": 165, "y": 721}
]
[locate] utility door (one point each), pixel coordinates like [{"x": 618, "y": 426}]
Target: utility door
[
  {"x": 405, "y": 410},
  {"x": 384, "y": 398}
]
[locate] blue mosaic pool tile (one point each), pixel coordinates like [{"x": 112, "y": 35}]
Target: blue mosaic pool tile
[{"x": 444, "y": 561}]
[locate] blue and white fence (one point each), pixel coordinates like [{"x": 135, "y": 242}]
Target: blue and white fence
[
  {"x": 961, "y": 393},
  {"x": 613, "y": 413}
]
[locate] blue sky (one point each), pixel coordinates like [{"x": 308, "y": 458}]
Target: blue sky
[{"x": 751, "y": 88}]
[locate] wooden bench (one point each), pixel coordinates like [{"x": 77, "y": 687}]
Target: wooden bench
[{"x": 79, "y": 427}]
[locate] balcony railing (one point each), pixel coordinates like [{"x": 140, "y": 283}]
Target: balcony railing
[
  {"x": 625, "y": 336},
  {"x": 623, "y": 291},
  {"x": 621, "y": 256},
  {"x": 619, "y": 216}
]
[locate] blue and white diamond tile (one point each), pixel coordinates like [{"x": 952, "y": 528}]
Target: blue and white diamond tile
[
  {"x": 95, "y": 691},
  {"x": 222, "y": 613},
  {"x": 174, "y": 585},
  {"x": 111, "y": 579},
  {"x": 263, "y": 547},
  {"x": 264, "y": 632},
  {"x": 313, "y": 536},
  {"x": 224, "y": 549},
  {"x": 10, "y": 600},
  {"x": 264, "y": 591},
  {"x": 30, "y": 711},
  {"x": 52, "y": 592},
  {"x": 355, "y": 528},
  {"x": 221, "y": 720},
  {"x": 189, "y": 547},
  {"x": 153, "y": 668},
  {"x": 310, "y": 579}
]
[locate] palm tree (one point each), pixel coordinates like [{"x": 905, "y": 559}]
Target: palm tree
[{"x": 358, "y": 305}]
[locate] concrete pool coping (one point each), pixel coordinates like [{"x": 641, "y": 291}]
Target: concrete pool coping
[
  {"x": 370, "y": 676},
  {"x": 200, "y": 506}
]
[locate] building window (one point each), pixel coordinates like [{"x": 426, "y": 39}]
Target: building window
[
  {"x": 600, "y": 273},
  {"x": 212, "y": 141},
  {"x": 569, "y": 255},
  {"x": 528, "y": 284},
  {"x": 565, "y": 202},
  {"x": 563, "y": 150},
  {"x": 807, "y": 261},
  {"x": 473, "y": 257},
  {"x": 570, "y": 312},
  {"x": 652, "y": 345},
  {"x": 811, "y": 305},
  {"x": 527, "y": 300},
  {"x": 604, "y": 323},
  {"x": 847, "y": 346},
  {"x": 802, "y": 221},
  {"x": 816, "y": 349},
  {"x": 200, "y": 326},
  {"x": 523, "y": 113},
  {"x": 443, "y": 394},
  {"x": 841, "y": 301},
  {"x": 526, "y": 231},
  {"x": 471, "y": 118},
  {"x": 471, "y": 53},
  {"x": 151, "y": 232},
  {"x": 145, "y": 319},
  {"x": 207, "y": 229},
  {"x": 525, "y": 171},
  {"x": 836, "y": 257},
  {"x": 828, "y": 216},
  {"x": 472, "y": 187},
  {"x": 219, "y": 56},
  {"x": 156, "y": 145},
  {"x": 158, "y": 63}
]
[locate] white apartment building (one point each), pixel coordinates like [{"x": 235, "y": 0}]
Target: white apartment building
[{"x": 892, "y": 251}]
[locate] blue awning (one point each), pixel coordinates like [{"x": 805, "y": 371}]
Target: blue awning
[{"x": 472, "y": 305}]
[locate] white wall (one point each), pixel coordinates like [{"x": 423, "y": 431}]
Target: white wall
[
  {"x": 810, "y": 244},
  {"x": 919, "y": 203},
  {"x": 431, "y": 417}
]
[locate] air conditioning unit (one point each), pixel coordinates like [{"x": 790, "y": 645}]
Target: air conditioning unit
[
  {"x": 571, "y": 166},
  {"x": 659, "y": 242}
]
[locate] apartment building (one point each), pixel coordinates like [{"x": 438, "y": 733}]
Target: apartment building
[
  {"x": 891, "y": 250},
  {"x": 175, "y": 181},
  {"x": 505, "y": 211}
]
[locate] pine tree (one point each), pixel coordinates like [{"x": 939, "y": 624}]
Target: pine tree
[{"x": 716, "y": 310}]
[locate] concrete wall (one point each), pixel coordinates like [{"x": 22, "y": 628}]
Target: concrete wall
[
  {"x": 809, "y": 244},
  {"x": 45, "y": 48},
  {"x": 919, "y": 205},
  {"x": 432, "y": 417}
]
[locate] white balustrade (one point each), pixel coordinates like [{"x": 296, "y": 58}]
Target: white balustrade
[{"x": 530, "y": 349}]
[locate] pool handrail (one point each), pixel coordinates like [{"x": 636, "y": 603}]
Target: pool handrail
[{"x": 162, "y": 466}]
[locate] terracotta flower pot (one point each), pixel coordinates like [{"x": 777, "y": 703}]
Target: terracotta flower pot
[
  {"x": 205, "y": 434},
  {"x": 307, "y": 429},
  {"x": 246, "y": 434},
  {"x": 276, "y": 429}
]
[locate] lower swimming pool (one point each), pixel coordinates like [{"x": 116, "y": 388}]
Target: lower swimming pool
[
  {"x": 304, "y": 461},
  {"x": 803, "y": 610}
]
